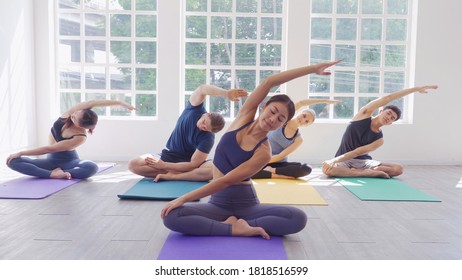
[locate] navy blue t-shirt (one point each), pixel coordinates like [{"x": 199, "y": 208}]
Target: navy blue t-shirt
[
  {"x": 358, "y": 134},
  {"x": 187, "y": 137}
]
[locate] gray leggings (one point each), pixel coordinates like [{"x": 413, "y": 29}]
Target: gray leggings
[
  {"x": 68, "y": 161},
  {"x": 239, "y": 201}
]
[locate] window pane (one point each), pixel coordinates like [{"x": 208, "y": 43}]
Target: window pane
[
  {"x": 270, "y": 55},
  {"x": 69, "y": 4},
  {"x": 146, "y": 5},
  {"x": 121, "y": 25},
  {"x": 194, "y": 78},
  {"x": 370, "y": 56},
  {"x": 369, "y": 82},
  {"x": 246, "y": 6},
  {"x": 246, "y": 54},
  {"x": 95, "y": 51},
  {"x": 397, "y": 7},
  {"x": 196, "y": 53},
  {"x": 120, "y": 5},
  {"x": 372, "y": 6},
  {"x": 363, "y": 101},
  {"x": 69, "y": 77},
  {"x": 68, "y": 99},
  {"x": 347, "y": 53},
  {"x": 344, "y": 82},
  {"x": 265, "y": 74},
  {"x": 95, "y": 25},
  {"x": 221, "y": 28},
  {"x": 220, "y": 78},
  {"x": 69, "y": 24},
  {"x": 100, "y": 111},
  {"x": 196, "y": 27},
  {"x": 319, "y": 83},
  {"x": 95, "y": 77},
  {"x": 322, "y": 110},
  {"x": 220, "y": 105},
  {"x": 321, "y": 6},
  {"x": 146, "y": 52},
  {"x": 395, "y": 56},
  {"x": 118, "y": 110},
  {"x": 346, "y": 29},
  {"x": 69, "y": 51},
  {"x": 121, "y": 52},
  {"x": 344, "y": 109},
  {"x": 371, "y": 29},
  {"x": 246, "y": 28},
  {"x": 271, "y": 28},
  {"x": 347, "y": 6},
  {"x": 146, "y": 26},
  {"x": 121, "y": 78},
  {"x": 220, "y": 54},
  {"x": 146, "y": 104},
  {"x": 321, "y": 28},
  {"x": 146, "y": 78},
  {"x": 396, "y": 29},
  {"x": 246, "y": 79},
  {"x": 271, "y": 6},
  {"x": 222, "y": 5},
  {"x": 320, "y": 53},
  {"x": 196, "y": 5},
  {"x": 394, "y": 81}
]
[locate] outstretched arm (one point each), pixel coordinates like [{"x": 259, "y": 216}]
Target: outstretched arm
[
  {"x": 371, "y": 107},
  {"x": 258, "y": 95},
  {"x": 96, "y": 103},
  {"x": 199, "y": 95},
  {"x": 288, "y": 150},
  {"x": 312, "y": 101}
]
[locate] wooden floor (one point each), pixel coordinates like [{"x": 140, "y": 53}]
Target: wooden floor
[{"x": 88, "y": 221}]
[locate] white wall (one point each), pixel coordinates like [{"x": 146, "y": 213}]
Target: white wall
[
  {"x": 17, "y": 91},
  {"x": 433, "y": 138}
]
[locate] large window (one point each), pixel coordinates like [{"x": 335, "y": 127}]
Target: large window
[
  {"x": 232, "y": 44},
  {"x": 107, "y": 49},
  {"x": 373, "y": 38}
]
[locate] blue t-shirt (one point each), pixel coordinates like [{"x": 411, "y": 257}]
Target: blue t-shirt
[
  {"x": 358, "y": 134},
  {"x": 279, "y": 142},
  {"x": 187, "y": 137}
]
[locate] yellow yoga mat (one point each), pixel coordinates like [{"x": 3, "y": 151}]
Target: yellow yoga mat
[{"x": 285, "y": 191}]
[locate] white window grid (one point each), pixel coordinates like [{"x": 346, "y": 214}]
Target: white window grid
[{"x": 106, "y": 8}]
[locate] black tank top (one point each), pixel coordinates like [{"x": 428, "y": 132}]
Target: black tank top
[{"x": 57, "y": 133}]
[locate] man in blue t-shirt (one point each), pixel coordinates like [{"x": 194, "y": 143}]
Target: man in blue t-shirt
[
  {"x": 364, "y": 135},
  {"x": 190, "y": 142}
]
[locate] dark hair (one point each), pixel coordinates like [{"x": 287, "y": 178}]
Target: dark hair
[
  {"x": 394, "y": 109},
  {"x": 88, "y": 120},
  {"x": 286, "y": 100},
  {"x": 217, "y": 121}
]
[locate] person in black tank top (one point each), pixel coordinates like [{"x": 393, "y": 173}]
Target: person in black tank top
[
  {"x": 234, "y": 208},
  {"x": 364, "y": 135},
  {"x": 67, "y": 133}
]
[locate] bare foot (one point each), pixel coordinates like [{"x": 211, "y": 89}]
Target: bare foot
[
  {"x": 231, "y": 220},
  {"x": 58, "y": 173},
  {"x": 242, "y": 228},
  {"x": 376, "y": 174}
]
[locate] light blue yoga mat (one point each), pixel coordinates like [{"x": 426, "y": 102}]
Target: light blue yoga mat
[
  {"x": 28, "y": 187},
  {"x": 384, "y": 189},
  {"x": 162, "y": 190},
  {"x": 186, "y": 247}
]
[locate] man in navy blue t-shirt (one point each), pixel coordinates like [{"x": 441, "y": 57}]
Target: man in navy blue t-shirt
[
  {"x": 190, "y": 142},
  {"x": 364, "y": 135}
]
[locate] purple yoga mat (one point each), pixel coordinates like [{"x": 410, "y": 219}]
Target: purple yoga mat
[
  {"x": 36, "y": 188},
  {"x": 186, "y": 247}
]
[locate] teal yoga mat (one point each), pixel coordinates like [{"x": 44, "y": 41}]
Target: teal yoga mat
[
  {"x": 384, "y": 189},
  {"x": 162, "y": 190}
]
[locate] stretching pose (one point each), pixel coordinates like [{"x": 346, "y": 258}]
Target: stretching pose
[
  {"x": 364, "y": 135},
  {"x": 190, "y": 142},
  {"x": 68, "y": 132},
  {"x": 285, "y": 140},
  {"x": 243, "y": 150}
]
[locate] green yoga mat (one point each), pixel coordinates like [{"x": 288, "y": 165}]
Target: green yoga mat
[
  {"x": 162, "y": 190},
  {"x": 384, "y": 189}
]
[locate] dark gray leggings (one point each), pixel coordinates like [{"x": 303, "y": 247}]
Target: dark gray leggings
[
  {"x": 239, "y": 201},
  {"x": 292, "y": 169},
  {"x": 68, "y": 161}
]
